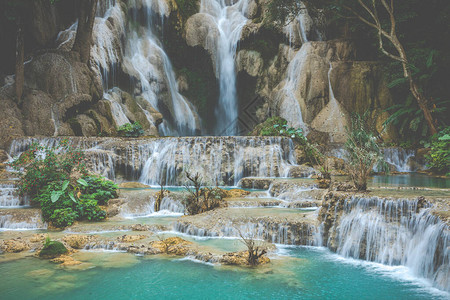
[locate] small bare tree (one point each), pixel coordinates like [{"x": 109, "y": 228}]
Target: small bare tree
[
  {"x": 201, "y": 199},
  {"x": 160, "y": 197},
  {"x": 255, "y": 249}
]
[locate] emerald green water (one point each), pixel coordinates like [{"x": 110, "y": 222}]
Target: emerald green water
[
  {"x": 308, "y": 273},
  {"x": 412, "y": 180}
]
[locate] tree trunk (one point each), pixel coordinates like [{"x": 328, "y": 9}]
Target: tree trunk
[
  {"x": 19, "y": 72},
  {"x": 421, "y": 100},
  {"x": 86, "y": 18}
]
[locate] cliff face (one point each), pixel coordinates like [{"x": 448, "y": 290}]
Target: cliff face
[{"x": 167, "y": 75}]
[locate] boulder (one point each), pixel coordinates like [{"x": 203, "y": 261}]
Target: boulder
[
  {"x": 53, "y": 249},
  {"x": 202, "y": 31},
  {"x": 62, "y": 74},
  {"x": 11, "y": 119},
  {"x": 37, "y": 112}
]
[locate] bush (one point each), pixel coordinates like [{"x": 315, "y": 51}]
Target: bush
[
  {"x": 131, "y": 130},
  {"x": 66, "y": 195},
  {"x": 52, "y": 249},
  {"x": 101, "y": 188},
  {"x": 63, "y": 217},
  {"x": 439, "y": 156},
  {"x": 40, "y": 165},
  {"x": 362, "y": 152}
]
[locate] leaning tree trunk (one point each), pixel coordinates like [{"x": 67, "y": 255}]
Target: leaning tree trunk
[
  {"x": 19, "y": 72},
  {"x": 86, "y": 18}
]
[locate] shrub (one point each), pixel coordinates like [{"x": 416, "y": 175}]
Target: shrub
[
  {"x": 67, "y": 194},
  {"x": 52, "y": 249},
  {"x": 362, "y": 151},
  {"x": 63, "y": 217},
  {"x": 200, "y": 198},
  {"x": 101, "y": 188},
  {"x": 131, "y": 130},
  {"x": 439, "y": 156},
  {"x": 268, "y": 128},
  {"x": 40, "y": 165}
]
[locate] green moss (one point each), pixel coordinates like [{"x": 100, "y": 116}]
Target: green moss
[{"x": 52, "y": 249}]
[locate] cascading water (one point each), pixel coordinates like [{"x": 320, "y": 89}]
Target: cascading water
[
  {"x": 290, "y": 107},
  {"x": 154, "y": 161},
  {"x": 399, "y": 158},
  {"x": 229, "y": 19},
  {"x": 146, "y": 60},
  {"x": 393, "y": 232}
]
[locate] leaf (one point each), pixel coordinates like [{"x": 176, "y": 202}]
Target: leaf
[
  {"x": 396, "y": 82},
  {"x": 65, "y": 185},
  {"x": 430, "y": 58},
  {"x": 55, "y": 196},
  {"x": 72, "y": 197},
  {"x": 82, "y": 182}
]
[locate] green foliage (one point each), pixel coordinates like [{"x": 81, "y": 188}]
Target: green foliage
[
  {"x": 267, "y": 127},
  {"x": 63, "y": 217},
  {"x": 57, "y": 180},
  {"x": 52, "y": 249},
  {"x": 439, "y": 156},
  {"x": 40, "y": 165},
  {"x": 100, "y": 188},
  {"x": 362, "y": 151},
  {"x": 131, "y": 130}
]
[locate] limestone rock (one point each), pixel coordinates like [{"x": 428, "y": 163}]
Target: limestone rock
[
  {"x": 301, "y": 171},
  {"x": 60, "y": 75},
  {"x": 132, "y": 185},
  {"x": 77, "y": 241},
  {"x": 10, "y": 119},
  {"x": 3, "y": 156},
  {"x": 250, "y": 62},
  {"x": 14, "y": 245},
  {"x": 201, "y": 30},
  {"x": 37, "y": 113},
  {"x": 131, "y": 238},
  {"x": 236, "y": 193},
  {"x": 240, "y": 259},
  {"x": 66, "y": 261}
]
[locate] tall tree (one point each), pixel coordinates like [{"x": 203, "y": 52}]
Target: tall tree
[
  {"x": 86, "y": 18},
  {"x": 369, "y": 13}
]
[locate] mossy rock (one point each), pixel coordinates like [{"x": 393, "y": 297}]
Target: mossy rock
[{"x": 53, "y": 249}]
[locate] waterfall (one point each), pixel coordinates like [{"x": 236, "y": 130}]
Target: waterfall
[
  {"x": 169, "y": 207},
  {"x": 146, "y": 60},
  {"x": 394, "y": 232},
  {"x": 106, "y": 50},
  {"x": 271, "y": 231},
  {"x": 229, "y": 19},
  {"x": 220, "y": 161},
  {"x": 9, "y": 197},
  {"x": 399, "y": 158},
  {"x": 290, "y": 107}
]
